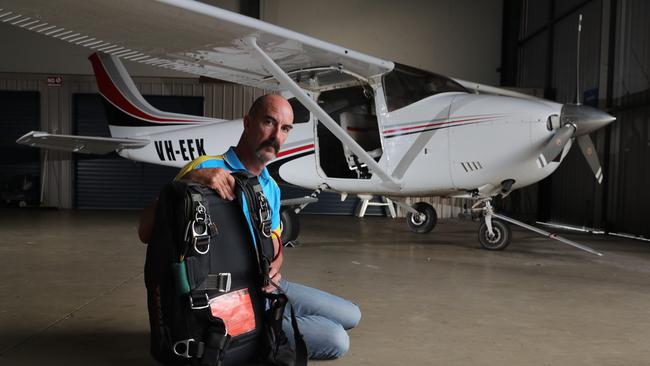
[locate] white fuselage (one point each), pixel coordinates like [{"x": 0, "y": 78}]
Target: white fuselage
[{"x": 447, "y": 144}]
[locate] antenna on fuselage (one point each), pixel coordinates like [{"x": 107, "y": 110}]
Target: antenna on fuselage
[{"x": 578, "y": 101}]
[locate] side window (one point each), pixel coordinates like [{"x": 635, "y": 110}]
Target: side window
[
  {"x": 406, "y": 85},
  {"x": 300, "y": 112}
]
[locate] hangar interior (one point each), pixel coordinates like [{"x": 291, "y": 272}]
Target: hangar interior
[
  {"x": 614, "y": 76},
  {"x": 72, "y": 289}
]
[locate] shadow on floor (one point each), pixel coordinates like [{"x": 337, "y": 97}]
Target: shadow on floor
[{"x": 110, "y": 348}]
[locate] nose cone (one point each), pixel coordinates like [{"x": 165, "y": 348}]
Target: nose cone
[{"x": 586, "y": 119}]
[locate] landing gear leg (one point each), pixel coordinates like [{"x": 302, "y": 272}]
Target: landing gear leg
[{"x": 493, "y": 234}]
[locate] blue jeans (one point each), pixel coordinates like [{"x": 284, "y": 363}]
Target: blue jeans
[{"x": 322, "y": 319}]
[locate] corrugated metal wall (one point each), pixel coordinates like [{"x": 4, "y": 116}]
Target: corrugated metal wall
[
  {"x": 19, "y": 165},
  {"x": 548, "y": 54},
  {"x": 629, "y": 176},
  {"x": 614, "y": 67},
  {"x": 54, "y": 117}
]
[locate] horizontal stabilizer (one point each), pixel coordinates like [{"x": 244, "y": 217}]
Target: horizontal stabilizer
[{"x": 80, "y": 144}]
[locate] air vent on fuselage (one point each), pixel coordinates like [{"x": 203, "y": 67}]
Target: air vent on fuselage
[{"x": 471, "y": 166}]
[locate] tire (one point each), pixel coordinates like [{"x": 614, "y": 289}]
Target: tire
[
  {"x": 423, "y": 225},
  {"x": 502, "y": 235},
  {"x": 290, "y": 224}
]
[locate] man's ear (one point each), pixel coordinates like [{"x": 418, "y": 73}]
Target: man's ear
[{"x": 246, "y": 122}]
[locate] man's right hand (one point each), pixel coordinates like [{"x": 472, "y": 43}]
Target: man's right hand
[{"x": 216, "y": 178}]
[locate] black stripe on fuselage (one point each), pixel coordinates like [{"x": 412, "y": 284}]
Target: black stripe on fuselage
[
  {"x": 274, "y": 167},
  {"x": 117, "y": 117},
  {"x": 432, "y": 129}
]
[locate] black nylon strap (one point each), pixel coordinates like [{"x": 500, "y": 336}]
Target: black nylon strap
[
  {"x": 249, "y": 186},
  {"x": 301, "y": 347},
  {"x": 279, "y": 302},
  {"x": 215, "y": 345},
  {"x": 215, "y": 338}
]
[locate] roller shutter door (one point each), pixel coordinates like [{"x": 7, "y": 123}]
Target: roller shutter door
[
  {"x": 112, "y": 182},
  {"x": 19, "y": 165}
]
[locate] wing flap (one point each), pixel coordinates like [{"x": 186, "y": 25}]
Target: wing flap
[
  {"x": 184, "y": 35},
  {"x": 80, "y": 144}
]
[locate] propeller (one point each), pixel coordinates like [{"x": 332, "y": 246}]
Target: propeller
[
  {"x": 589, "y": 152},
  {"x": 575, "y": 121},
  {"x": 555, "y": 146}
]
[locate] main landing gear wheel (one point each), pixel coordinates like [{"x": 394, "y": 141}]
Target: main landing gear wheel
[
  {"x": 290, "y": 224},
  {"x": 425, "y": 221},
  {"x": 501, "y": 238}
]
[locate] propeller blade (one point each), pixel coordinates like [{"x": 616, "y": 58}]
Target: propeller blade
[
  {"x": 589, "y": 152},
  {"x": 555, "y": 145}
]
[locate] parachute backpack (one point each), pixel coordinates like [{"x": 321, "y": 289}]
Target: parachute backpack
[{"x": 204, "y": 275}]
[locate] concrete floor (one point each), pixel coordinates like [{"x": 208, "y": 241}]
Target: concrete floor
[{"x": 72, "y": 293}]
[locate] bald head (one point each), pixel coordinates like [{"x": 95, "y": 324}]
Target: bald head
[{"x": 261, "y": 104}]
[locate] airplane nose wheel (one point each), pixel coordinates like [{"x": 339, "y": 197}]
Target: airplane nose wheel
[
  {"x": 499, "y": 239},
  {"x": 425, "y": 220},
  {"x": 493, "y": 234}
]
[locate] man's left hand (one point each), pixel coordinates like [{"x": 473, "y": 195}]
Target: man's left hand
[{"x": 275, "y": 277}]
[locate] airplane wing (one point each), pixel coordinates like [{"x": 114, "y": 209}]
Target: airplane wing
[
  {"x": 80, "y": 144},
  {"x": 201, "y": 39},
  {"x": 189, "y": 36}
]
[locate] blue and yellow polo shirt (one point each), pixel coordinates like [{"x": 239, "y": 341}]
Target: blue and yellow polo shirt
[{"x": 231, "y": 162}]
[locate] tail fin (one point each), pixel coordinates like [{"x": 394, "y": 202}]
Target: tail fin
[{"x": 125, "y": 105}]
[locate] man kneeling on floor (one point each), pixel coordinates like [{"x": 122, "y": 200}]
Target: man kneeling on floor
[{"x": 322, "y": 317}]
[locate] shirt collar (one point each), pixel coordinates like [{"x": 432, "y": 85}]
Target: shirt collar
[{"x": 235, "y": 164}]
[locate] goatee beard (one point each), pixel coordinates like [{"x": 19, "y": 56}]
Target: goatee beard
[{"x": 263, "y": 158}]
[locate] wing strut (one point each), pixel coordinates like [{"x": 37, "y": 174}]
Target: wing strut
[{"x": 331, "y": 125}]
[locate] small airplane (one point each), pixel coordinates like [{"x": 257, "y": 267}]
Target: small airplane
[{"x": 362, "y": 125}]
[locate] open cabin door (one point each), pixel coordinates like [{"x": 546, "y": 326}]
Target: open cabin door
[{"x": 353, "y": 108}]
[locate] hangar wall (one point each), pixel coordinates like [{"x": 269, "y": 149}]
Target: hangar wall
[
  {"x": 614, "y": 69},
  {"x": 460, "y": 38}
]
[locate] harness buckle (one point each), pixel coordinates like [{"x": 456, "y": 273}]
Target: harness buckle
[
  {"x": 224, "y": 281},
  {"x": 199, "y": 228},
  {"x": 182, "y": 348},
  {"x": 265, "y": 213},
  {"x": 265, "y": 227},
  {"x": 201, "y": 212},
  {"x": 201, "y": 241},
  {"x": 202, "y": 305}
]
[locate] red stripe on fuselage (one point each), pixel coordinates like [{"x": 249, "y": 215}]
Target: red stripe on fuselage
[
  {"x": 295, "y": 150},
  {"x": 437, "y": 124},
  {"x": 108, "y": 89}
]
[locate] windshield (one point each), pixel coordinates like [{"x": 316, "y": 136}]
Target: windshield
[{"x": 406, "y": 85}]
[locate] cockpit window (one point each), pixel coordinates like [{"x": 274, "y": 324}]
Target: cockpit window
[
  {"x": 300, "y": 112},
  {"x": 406, "y": 85}
]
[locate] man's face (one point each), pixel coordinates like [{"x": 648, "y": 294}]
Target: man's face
[{"x": 269, "y": 128}]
